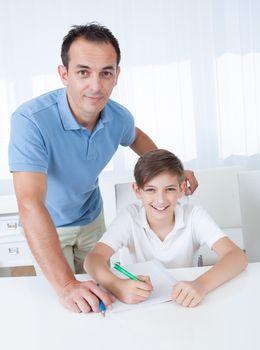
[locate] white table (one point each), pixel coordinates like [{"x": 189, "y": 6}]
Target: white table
[{"x": 229, "y": 318}]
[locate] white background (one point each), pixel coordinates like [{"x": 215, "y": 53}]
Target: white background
[{"x": 190, "y": 71}]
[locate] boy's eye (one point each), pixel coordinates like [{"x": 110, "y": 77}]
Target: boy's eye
[
  {"x": 171, "y": 189},
  {"x": 149, "y": 189}
]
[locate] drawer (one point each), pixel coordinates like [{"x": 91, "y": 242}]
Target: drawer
[
  {"x": 15, "y": 254},
  {"x": 9, "y": 226}
]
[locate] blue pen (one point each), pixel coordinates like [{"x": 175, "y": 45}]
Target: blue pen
[{"x": 102, "y": 308}]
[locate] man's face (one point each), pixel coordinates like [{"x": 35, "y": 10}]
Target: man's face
[{"x": 90, "y": 78}]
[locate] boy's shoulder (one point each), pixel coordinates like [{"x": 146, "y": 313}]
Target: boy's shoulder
[
  {"x": 134, "y": 209},
  {"x": 190, "y": 211},
  {"x": 130, "y": 216},
  {"x": 133, "y": 212}
]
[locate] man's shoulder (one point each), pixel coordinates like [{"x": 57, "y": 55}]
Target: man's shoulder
[
  {"x": 117, "y": 109},
  {"x": 39, "y": 103}
]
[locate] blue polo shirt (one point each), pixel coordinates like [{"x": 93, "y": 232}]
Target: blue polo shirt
[{"x": 46, "y": 138}]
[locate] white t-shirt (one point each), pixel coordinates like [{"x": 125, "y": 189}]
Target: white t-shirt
[{"x": 193, "y": 228}]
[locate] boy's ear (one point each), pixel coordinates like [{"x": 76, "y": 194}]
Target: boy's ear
[{"x": 136, "y": 190}]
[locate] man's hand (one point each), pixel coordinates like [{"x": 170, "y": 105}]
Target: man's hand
[
  {"x": 84, "y": 296},
  {"x": 191, "y": 182},
  {"x": 133, "y": 292},
  {"x": 188, "y": 293}
]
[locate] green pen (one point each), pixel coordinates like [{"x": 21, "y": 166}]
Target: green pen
[{"x": 126, "y": 273}]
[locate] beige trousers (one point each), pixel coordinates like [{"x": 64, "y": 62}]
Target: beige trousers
[{"x": 77, "y": 241}]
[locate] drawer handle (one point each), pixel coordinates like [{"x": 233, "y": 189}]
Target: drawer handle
[
  {"x": 13, "y": 251},
  {"x": 12, "y": 226}
]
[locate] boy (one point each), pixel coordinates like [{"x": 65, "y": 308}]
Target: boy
[{"x": 161, "y": 228}]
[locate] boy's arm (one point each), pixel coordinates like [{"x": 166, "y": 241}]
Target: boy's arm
[
  {"x": 233, "y": 261},
  {"x": 126, "y": 290},
  {"x": 97, "y": 265}
]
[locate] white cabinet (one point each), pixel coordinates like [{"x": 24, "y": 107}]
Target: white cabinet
[{"x": 14, "y": 250}]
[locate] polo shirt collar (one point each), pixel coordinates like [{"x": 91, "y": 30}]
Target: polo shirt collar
[
  {"x": 143, "y": 220},
  {"x": 105, "y": 117},
  {"x": 68, "y": 120},
  {"x": 106, "y": 114},
  {"x": 179, "y": 218}
]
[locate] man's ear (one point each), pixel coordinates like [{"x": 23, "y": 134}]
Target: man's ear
[
  {"x": 63, "y": 73},
  {"x": 117, "y": 74},
  {"x": 183, "y": 187},
  {"x": 136, "y": 190}
]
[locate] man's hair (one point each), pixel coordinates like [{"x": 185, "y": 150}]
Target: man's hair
[
  {"x": 91, "y": 32},
  {"x": 156, "y": 162}
]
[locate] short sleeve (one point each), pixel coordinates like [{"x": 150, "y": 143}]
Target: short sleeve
[
  {"x": 118, "y": 234},
  {"x": 27, "y": 150},
  {"x": 204, "y": 227},
  {"x": 129, "y": 132}
]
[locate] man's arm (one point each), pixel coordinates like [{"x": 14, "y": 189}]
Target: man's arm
[
  {"x": 191, "y": 182},
  {"x": 41, "y": 234},
  {"x": 143, "y": 143}
]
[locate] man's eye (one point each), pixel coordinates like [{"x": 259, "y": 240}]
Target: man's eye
[
  {"x": 82, "y": 73},
  {"x": 171, "y": 189},
  {"x": 107, "y": 74}
]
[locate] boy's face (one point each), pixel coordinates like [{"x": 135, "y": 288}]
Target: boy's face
[{"x": 159, "y": 196}]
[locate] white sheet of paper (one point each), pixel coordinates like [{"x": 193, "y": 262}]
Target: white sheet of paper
[{"x": 162, "y": 281}]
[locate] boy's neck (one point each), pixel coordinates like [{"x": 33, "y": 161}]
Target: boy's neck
[{"x": 162, "y": 229}]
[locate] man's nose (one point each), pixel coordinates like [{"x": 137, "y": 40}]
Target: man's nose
[{"x": 95, "y": 83}]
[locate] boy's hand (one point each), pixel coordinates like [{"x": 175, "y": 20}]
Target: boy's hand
[
  {"x": 133, "y": 292},
  {"x": 188, "y": 293}
]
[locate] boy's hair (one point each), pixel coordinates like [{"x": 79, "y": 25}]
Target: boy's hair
[
  {"x": 91, "y": 32},
  {"x": 155, "y": 162}
]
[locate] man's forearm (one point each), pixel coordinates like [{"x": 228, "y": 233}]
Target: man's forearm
[{"x": 45, "y": 246}]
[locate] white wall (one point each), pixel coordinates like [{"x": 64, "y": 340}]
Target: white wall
[{"x": 190, "y": 71}]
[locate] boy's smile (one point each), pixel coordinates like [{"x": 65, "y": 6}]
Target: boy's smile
[{"x": 159, "y": 208}]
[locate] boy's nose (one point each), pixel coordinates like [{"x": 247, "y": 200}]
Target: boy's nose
[{"x": 160, "y": 197}]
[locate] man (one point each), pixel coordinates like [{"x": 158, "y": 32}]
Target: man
[{"x": 59, "y": 144}]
